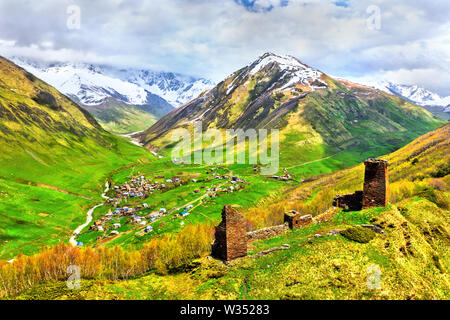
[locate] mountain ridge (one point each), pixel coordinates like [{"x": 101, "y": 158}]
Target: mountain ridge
[{"x": 279, "y": 91}]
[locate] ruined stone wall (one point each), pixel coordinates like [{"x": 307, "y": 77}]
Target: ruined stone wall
[
  {"x": 266, "y": 233},
  {"x": 230, "y": 236},
  {"x": 375, "y": 183},
  {"x": 351, "y": 201},
  {"x": 295, "y": 220}
]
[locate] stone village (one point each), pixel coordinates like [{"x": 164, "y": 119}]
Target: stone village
[{"x": 143, "y": 215}]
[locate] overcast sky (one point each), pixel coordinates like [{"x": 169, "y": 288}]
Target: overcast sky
[{"x": 409, "y": 42}]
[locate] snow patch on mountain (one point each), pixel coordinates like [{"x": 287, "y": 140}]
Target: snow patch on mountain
[
  {"x": 85, "y": 82},
  {"x": 293, "y": 70}
]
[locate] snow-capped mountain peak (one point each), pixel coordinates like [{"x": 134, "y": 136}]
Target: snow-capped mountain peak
[
  {"x": 284, "y": 61},
  {"x": 85, "y": 82},
  {"x": 176, "y": 88},
  {"x": 292, "y": 73}
]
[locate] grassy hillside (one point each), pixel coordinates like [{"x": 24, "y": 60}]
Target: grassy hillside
[
  {"x": 54, "y": 162},
  {"x": 411, "y": 258}
]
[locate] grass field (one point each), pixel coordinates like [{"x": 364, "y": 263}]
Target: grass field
[{"x": 42, "y": 204}]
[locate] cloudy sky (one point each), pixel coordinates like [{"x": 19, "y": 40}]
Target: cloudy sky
[{"x": 406, "y": 41}]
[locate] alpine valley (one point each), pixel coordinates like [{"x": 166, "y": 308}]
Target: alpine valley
[{"x": 141, "y": 226}]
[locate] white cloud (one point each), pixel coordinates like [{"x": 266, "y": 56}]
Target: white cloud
[{"x": 214, "y": 38}]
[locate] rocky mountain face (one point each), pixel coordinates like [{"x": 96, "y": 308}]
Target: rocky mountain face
[{"x": 278, "y": 91}]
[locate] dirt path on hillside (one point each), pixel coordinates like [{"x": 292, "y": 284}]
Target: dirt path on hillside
[
  {"x": 35, "y": 157},
  {"x": 317, "y": 160},
  {"x": 47, "y": 186}
]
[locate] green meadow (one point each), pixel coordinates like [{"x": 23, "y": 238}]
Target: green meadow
[{"x": 41, "y": 204}]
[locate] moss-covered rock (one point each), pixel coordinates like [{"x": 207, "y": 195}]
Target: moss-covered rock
[{"x": 359, "y": 234}]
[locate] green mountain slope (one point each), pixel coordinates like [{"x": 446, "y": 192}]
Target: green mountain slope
[
  {"x": 54, "y": 161},
  {"x": 318, "y": 116}
]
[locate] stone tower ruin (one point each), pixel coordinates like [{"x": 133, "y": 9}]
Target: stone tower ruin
[
  {"x": 231, "y": 236},
  {"x": 375, "y": 192}
]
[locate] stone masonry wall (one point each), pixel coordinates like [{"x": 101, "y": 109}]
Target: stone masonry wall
[
  {"x": 266, "y": 233},
  {"x": 375, "y": 183},
  {"x": 351, "y": 201}
]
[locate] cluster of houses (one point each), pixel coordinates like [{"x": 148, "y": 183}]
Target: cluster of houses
[
  {"x": 140, "y": 187},
  {"x": 100, "y": 224},
  {"x": 287, "y": 176},
  {"x": 284, "y": 177},
  {"x": 236, "y": 184}
]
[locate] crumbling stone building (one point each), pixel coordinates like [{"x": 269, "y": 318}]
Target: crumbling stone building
[
  {"x": 375, "y": 191},
  {"x": 351, "y": 201},
  {"x": 230, "y": 236},
  {"x": 295, "y": 220}
]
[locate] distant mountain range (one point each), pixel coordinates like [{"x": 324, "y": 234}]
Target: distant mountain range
[
  {"x": 92, "y": 84},
  {"x": 144, "y": 95},
  {"x": 420, "y": 96},
  {"x": 130, "y": 100},
  {"x": 414, "y": 93}
]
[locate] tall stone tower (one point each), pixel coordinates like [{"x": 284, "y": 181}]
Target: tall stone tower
[
  {"x": 375, "y": 193},
  {"x": 231, "y": 236}
]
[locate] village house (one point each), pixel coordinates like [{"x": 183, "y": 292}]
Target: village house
[{"x": 184, "y": 213}]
